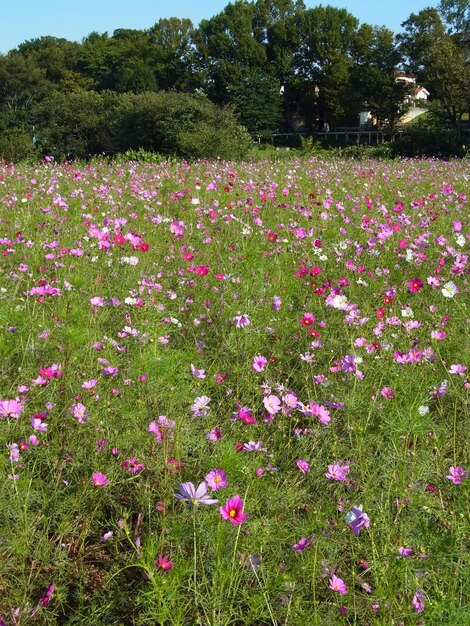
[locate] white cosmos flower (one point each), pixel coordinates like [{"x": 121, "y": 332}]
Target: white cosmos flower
[{"x": 449, "y": 289}]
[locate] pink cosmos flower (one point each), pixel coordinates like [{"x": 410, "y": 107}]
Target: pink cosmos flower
[
  {"x": 163, "y": 563},
  {"x": 99, "y": 479},
  {"x": 272, "y": 404},
  {"x": 419, "y": 601},
  {"x": 307, "y": 319},
  {"x": 233, "y": 511},
  {"x": 217, "y": 479},
  {"x": 303, "y": 466},
  {"x": 457, "y": 474},
  {"x": 337, "y": 472},
  {"x": 415, "y": 285},
  {"x": 259, "y": 363},
  {"x": 10, "y": 408},
  {"x": 276, "y": 303},
  {"x": 80, "y": 413},
  {"x": 338, "y": 585},
  {"x": 458, "y": 368},
  {"x": 241, "y": 320},
  {"x": 387, "y": 392},
  {"x": 320, "y": 412}
]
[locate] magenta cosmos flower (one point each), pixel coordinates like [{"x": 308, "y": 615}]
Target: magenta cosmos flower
[
  {"x": 163, "y": 563},
  {"x": 457, "y": 474},
  {"x": 259, "y": 363},
  {"x": 233, "y": 511},
  {"x": 217, "y": 479},
  {"x": 337, "y": 472},
  {"x": 338, "y": 585},
  {"x": 99, "y": 479}
]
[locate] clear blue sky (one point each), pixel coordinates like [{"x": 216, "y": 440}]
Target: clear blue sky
[{"x": 74, "y": 19}]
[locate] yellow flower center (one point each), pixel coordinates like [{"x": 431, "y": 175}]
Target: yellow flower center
[{"x": 232, "y": 512}]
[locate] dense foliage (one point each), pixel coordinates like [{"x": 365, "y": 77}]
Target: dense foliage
[{"x": 279, "y": 65}]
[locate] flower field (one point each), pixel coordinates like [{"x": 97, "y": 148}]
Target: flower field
[{"x": 234, "y": 393}]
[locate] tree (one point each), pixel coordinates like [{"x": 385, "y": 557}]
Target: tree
[
  {"x": 174, "y": 52},
  {"x": 228, "y": 50},
  {"x": 373, "y": 74},
  {"x": 259, "y": 103},
  {"x": 439, "y": 62},
  {"x": 457, "y": 14},
  {"x": 324, "y": 57}
]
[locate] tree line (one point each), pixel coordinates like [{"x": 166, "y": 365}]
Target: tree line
[{"x": 257, "y": 67}]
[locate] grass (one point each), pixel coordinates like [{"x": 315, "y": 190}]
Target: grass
[{"x": 223, "y": 240}]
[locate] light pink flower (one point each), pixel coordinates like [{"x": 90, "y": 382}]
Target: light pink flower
[
  {"x": 259, "y": 363},
  {"x": 272, "y": 404},
  {"x": 10, "y": 408},
  {"x": 338, "y": 585}
]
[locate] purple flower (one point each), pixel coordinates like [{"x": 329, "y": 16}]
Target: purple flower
[
  {"x": 457, "y": 474},
  {"x": 241, "y": 320},
  {"x": 304, "y": 543},
  {"x": 357, "y": 520},
  {"x": 303, "y": 466},
  {"x": 348, "y": 364},
  {"x": 188, "y": 493},
  {"x": 197, "y": 373},
  {"x": 419, "y": 601}
]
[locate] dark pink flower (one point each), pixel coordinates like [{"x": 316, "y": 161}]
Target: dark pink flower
[{"x": 233, "y": 511}]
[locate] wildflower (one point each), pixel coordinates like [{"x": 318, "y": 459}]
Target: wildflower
[
  {"x": 449, "y": 290},
  {"x": 233, "y": 511},
  {"x": 419, "y": 601},
  {"x": 132, "y": 465},
  {"x": 197, "y": 373},
  {"x": 304, "y": 543},
  {"x": 338, "y": 585},
  {"x": 241, "y": 320},
  {"x": 415, "y": 285},
  {"x": 457, "y": 474},
  {"x": 99, "y": 479},
  {"x": 320, "y": 412},
  {"x": 458, "y": 368},
  {"x": 272, "y": 404},
  {"x": 357, "y": 520},
  {"x": 80, "y": 413},
  {"x": 276, "y": 303},
  {"x": 253, "y": 446},
  {"x": 303, "y": 466},
  {"x": 163, "y": 563},
  {"x": 45, "y": 600},
  {"x": 10, "y": 408},
  {"x": 188, "y": 493},
  {"x": 387, "y": 392},
  {"x": 337, "y": 472},
  {"x": 162, "y": 428},
  {"x": 308, "y": 319},
  {"x": 217, "y": 479},
  {"x": 107, "y": 536},
  {"x": 200, "y": 406},
  {"x": 259, "y": 363}
]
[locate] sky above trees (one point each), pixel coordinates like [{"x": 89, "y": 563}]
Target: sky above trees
[{"x": 27, "y": 19}]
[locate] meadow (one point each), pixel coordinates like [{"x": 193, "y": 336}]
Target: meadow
[{"x": 234, "y": 393}]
